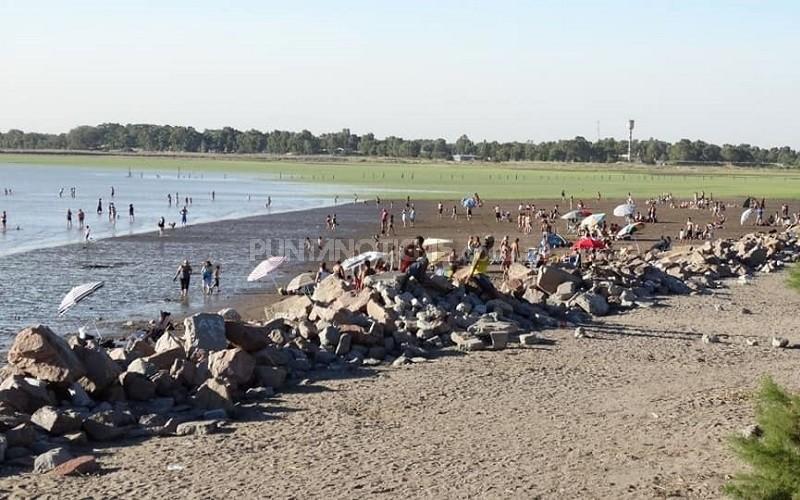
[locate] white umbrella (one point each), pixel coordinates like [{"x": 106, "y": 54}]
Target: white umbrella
[
  {"x": 432, "y": 242},
  {"x": 266, "y": 267},
  {"x": 301, "y": 281},
  {"x": 629, "y": 229},
  {"x": 746, "y": 215},
  {"x": 77, "y": 294},
  {"x": 371, "y": 256},
  {"x": 576, "y": 214},
  {"x": 626, "y": 210},
  {"x": 593, "y": 220}
]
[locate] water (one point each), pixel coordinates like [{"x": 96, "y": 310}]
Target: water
[{"x": 44, "y": 259}]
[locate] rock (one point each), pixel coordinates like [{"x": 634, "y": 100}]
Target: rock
[
  {"x": 499, "y": 340},
  {"x": 535, "y": 296},
  {"x": 519, "y": 271},
  {"x": 379, "y": 313},
  {"x": 204, "y": 331},
  {"x": 329, "y": 336},
  {"x": 565, "y": 291},
  {"x": 675, "y": 285},
  {"x": 164, "y": 360},
  {"x": 78, "y": 396},
  {"x": 76, "y": 438},
  {"x": 214, "y": 393},
  {"x": 486, "y": 326},
  {"x": 329, "y": 289},
  {"x": 392, "y": 279},
  {"x": 25, "y": 394},
  {"x": 293, "y": 308},
  {"x": 579, "y": 333},
  {"x": 199, "y": 428},
  {"x": 529, "y": 339},
  {"x": 272, "y": 356},
  {"x": 101, "y": 427},
  {"x": 780, "y": 342},
  {"x": 21, "y": 435},
  {"x": 56, "y": 421},
  {"x": 140, "y": 348},
  {"x": 465, "y": 342},
  {"x": 78, "y": 466},
  {"x": 550, "y": 277},
  {"x": 40, "y": 353},
  {"x": 710, "y": 339},
  {"x": 746, "y": 311},
  {"x": 234, "y": 365},
  {"x": 168, "y": 341},
  {"x": 344, "y": 344},
  {"x": 751, "y": 342},
  {"x": 137, "y": 386},
  {"x": 101, "y": 370},
  {"x": 271, "y": 376},
  {"x": 3, "y": 447},
  {"x": 230, "y": 314},
  {"x": 250, "y": 338},
  {"x": 49, "y": 460},
  {"x": 354, "y": 302},
  {"x": 142, "y": 367},
  {"x": 592, "y": 303}
]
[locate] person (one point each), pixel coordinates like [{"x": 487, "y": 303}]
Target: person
[
  {"x": 207, "y": 274},
  {"x": 4, "y": 220},
  {"x": 184, "y": 213},
  {"x": 184, "y": 272},
  {"x": 319, "y": 242},
  {"x": 391, "y": 224},
  {"x": 69, "y": 219},
  {"x": 308, "y": 246},
  {"x": 414, "y": 261},
  {"x": 403, "y": 217},
  {"x": 269, "y": 201},
  {"x": 169, "y": 199},
  {"x": 480, "y": 266},
  {"x": 412, "y": 215},
  {"x": 384, "y": 220},
  {"x": 515, "y": 252},
  {"x": 366, "y": 270},
  {"x": 440, "y": 209},
  {"x": 469, "y": 212},
  {"x": 338, "y": 270},
  {"x": 213, "y": 195},
  {"x": 322, "y": 272},
  {"x": 87, "y": 233},
  {"x": 454, "y": 213},
  {"x": 81, "y": 218},
  {"x": 161, "y": 224},
  {"x": 99, "y": 206},
  {"x": 217, "y": 272},
  {"x": 333, "y": 223},
  {"x": 130, "y": 212},
  {"x": 157, "y": 328},
  {"x": 505, "y": 256}
]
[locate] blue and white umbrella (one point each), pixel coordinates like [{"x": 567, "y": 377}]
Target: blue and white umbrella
[{"x": 77, "y": 294}]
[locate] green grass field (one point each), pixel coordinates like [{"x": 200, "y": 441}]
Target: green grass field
[{"x": 450, "y": 180}]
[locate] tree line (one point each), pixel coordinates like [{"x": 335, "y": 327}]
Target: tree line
[{"x": 166, "y": 138}]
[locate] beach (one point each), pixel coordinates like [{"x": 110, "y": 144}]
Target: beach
[{"x": 640, "y": 409}]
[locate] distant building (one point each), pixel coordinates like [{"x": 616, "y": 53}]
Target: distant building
[{"x": 460, "y": 158}]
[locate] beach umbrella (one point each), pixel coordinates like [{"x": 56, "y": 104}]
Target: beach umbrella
[
  {"x": 556, "y": 241},
  {"x": 301, "y": 281},
  {"x": 588, "y": 244},
  {"x": 626, "y": 210},
  {"x": 576, "y": 214},
  {"x": 265, "y": 267},
  {"x": 356, "y": 261},
  {"x": 469, "y": 203},
  {"x": 437, "y": 257},
  {"x": 630, "y": 229},
  {"x": 593, "y": 220},
  {"x": 746, "y": 215},
  {"x": 433, "y": 242},
  {"x": 77, "y": 294}
]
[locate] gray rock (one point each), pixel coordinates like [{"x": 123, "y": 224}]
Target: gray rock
[
  {"x": 142, "y": 367},
  {"x": 592, "y": 303},
  {"x": 329, "y": 336},
  {"x": 137, "y": 386},
  {"x": 56, "y": 421},
  {"x": 710, "y": 339},
  {"x": 780, "y": 342},
  {"x": 230, "y": 314},
  {"x": 197, "y": 428},
  {"x": 49, "y": 460},
  {"x": 204, "y": 331}
]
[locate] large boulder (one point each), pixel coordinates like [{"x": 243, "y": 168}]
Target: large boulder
[
  {"x": 40, "y": 353},
  {"x": 56, "y": 421},
  {"x": 354, "y": 301},
  {"x": 234, "y": 365},
  {"x": 593, "y": 303},
  {"x": 49, "y": 460},
  {"x": 101, "y": 370},
  {"x": 329, "y": 289},
  {"x": 251, "y": 338},
  {"x": 168, "y": 341},
  {"x": 292, "y": 308},
  {"x": 24, "y": 394},
  {"x": 137, "y": 386},
  {"x": 214, "y": 394},
  {"x": 204, "y": 331},
  {"x": 230, "y": 314},
  {"x": 550, "y": 277},
  {"x": 163, "y": 360},
  {"x": 102, "y": 426},
  {"x": 271, "y": 376}
]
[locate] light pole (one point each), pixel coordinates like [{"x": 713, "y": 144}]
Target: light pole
[{"x": 630, "y": 140}]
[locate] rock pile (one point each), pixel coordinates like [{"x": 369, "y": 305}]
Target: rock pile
[{"x": 58, "y": 395}]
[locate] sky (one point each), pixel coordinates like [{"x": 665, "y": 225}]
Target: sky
[{"x": 721, "y": 71}]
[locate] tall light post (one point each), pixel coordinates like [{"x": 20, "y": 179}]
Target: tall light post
[{"x": 630, "y": 140}]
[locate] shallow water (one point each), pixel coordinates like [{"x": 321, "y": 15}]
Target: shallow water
[{"x": 43, "y": 260}]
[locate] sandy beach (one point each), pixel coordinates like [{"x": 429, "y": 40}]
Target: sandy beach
[{"x": 641, "y": 409}]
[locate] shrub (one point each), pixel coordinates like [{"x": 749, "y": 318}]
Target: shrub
[{"x": 774, "y": 456}]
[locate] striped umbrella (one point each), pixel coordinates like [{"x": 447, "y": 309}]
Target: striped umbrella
[
  {"x": 630, "y": 229},
  {"x": 356, "y": 261},
  {"x": 266, "y": 267},
  {"x": 77, "y": 294},
  {"x": 593, "y": 220},
  {"x": 576, "y": 214}
]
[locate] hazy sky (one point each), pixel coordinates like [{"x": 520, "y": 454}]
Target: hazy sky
[{"x": 723, "y": 71}]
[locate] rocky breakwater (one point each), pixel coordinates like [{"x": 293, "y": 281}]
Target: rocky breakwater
[{"x": 60, "y": 395}]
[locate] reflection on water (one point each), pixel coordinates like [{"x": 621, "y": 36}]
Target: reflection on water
[{"x": 138, "y": 270}]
